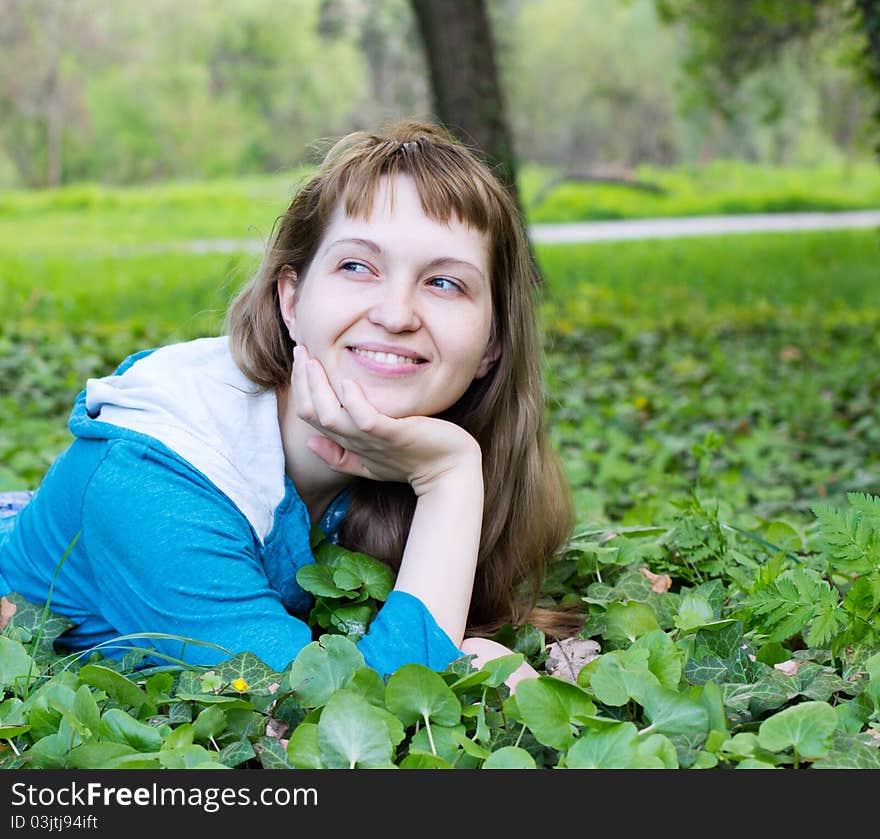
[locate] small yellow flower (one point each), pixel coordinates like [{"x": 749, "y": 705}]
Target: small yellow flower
[
  {"x": 240, "y": 684},
  {"x": 641, "y": 402}
]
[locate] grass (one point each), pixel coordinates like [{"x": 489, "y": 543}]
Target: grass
[
  {"x": 720, "y": 187},
  {"x": 103, "y": 220}
]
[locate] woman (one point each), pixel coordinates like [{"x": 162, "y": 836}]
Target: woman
[{"x": 379, "y": 376}]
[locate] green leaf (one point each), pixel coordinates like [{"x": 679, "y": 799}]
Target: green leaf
[
  {"x": 357, "y": 571},
  {"x": 237, "y": 753},
  {"x": 49, "y": 752},
  {"x": 415, "y": 692},
  {"x": 101, "y": 755},
  {"x": 424, "y": 760},
  {"x": 118, "y": 726},
  {"x": 807, "y": 727},
  {"x": 247, "y": 668},
  {"x": 499, "y": 669},
  {"x": 694, "y": 612},
  {"x": 664, "y": 659},
  {"x": 86, "y": 708},
  {"x": 612, "y": 747},
  {"x": 323, "y": 667},
  {"x": 114, "y": 684},
  {"x": 712, "y": 700},
  {"x": 621, "y": 675},
  {"x": 444, "y": 741},
  {"x": 509, "y": 757},
  {"x": 272, "y": 754},
  {"x": 38, "y": 622},
  {"x": 210, "y": 722},
  {"x": 675, "y": 714},
  {"x": 302, "y": 747},
  {"x": 190, "y": 757},
  {"x": 629, "y": 621},
  {"x": 352, "y": 734},
  {"x": 849, "y": 753},
  {"x": 543, "y": 707},
  {"x": 17, "y": 668},
  {"x": 318, "y": 580}
]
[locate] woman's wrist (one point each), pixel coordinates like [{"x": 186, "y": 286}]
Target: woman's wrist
[{"x": 463, "y": 468}]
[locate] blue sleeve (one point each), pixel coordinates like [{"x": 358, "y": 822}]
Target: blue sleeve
[
  {"x": 405, "y": 632},
  {"x": 170, "y": 553}
]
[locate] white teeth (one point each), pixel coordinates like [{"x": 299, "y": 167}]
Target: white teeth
[{"x": 386, "y": 357}]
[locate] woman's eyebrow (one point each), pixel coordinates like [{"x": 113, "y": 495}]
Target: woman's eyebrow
[
  {"x": 452, "y": 260},
  {"x": 375, "y": 248},
  {"x": 367, "y": 243}
]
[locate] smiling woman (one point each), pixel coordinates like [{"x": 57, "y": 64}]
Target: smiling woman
[{"x": 379, "y": 378}]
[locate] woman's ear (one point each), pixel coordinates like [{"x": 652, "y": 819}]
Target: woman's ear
[
  {"x": 492, "y": 354},
  {"x": 287, "y": 279}
]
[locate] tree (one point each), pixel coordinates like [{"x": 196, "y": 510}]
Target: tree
[
  {"x": 467, "y": 96},
  {"x": 731, "y": 38}
]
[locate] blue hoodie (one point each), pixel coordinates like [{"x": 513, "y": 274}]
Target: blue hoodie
[{"x": 183, "y": 521}]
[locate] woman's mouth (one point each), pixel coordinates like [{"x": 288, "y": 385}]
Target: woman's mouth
[{"x": 386, "y": 362}]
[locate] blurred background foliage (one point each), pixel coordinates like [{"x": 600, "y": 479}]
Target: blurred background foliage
[{"x": 125, "y": 92}]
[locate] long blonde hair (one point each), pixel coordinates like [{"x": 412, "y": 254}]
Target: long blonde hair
[{"x": 528, "y": 514}]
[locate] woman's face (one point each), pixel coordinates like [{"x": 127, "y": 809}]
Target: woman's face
[{"x": 398, "y": 302}]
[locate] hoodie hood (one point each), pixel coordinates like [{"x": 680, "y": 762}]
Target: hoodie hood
[{"x": 193, "y": 399}]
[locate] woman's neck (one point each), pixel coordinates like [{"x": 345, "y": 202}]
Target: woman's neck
[{"x": 316, "y": 483}]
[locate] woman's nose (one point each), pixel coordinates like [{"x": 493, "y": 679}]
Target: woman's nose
[{"x": 395, "y": 309}]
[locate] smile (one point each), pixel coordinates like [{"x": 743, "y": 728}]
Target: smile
[{"x": 391, "y": 359}]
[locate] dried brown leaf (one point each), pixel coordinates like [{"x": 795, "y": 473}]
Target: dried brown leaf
[
  {"x": 789, "y": 667},
  {"x": 660, "y": 583},
  {"x": 276, "y": 728},
  {"x": 566, "y": 658}
]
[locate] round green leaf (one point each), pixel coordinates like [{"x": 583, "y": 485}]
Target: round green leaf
[
  {"x": 612, "y": 747},
  {"x": 807, "y": 727},
  {"x": 542, "y": 707},
  {"x": 352, "y": 734},
  {"x": 323, "y": 667},
  {"x": 675, "y": 714},
  {"x": 628, "y": 621},
  {"x": 415, "y": 692},
  {"x": 302, "y": 747},
  {"x": 664, "y": 659},
  {"x": 318, "y": 580},
  {"x": 509, "y": 757}
]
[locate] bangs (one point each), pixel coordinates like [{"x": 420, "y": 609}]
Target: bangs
[{"x": 449, "y": 183}]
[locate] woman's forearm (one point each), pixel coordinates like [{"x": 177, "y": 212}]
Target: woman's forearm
[{"x": 440, "y": 557}]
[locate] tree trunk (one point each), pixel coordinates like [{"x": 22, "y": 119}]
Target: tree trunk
[
  {"x": 467, "y": 96},
  {"x": 54, "y": 100},
  {"x": 870, "y": 10}
]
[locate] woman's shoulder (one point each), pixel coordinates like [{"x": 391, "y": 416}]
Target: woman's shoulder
[{"x": 192, "y": 399}]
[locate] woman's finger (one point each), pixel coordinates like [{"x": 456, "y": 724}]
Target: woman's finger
[
  {"x": 302, "y": 395},
  {"x": 362, "y": 413},
  {"x": 328, "y": 409},
  {"x": 338, "y": 458}
]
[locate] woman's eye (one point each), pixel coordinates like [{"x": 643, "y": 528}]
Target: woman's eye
[
  {"x": 354, "y": 267},
  {"x": 445, "y": 284}
]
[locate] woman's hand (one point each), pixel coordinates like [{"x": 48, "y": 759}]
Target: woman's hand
[
  {"x": 484, "y": 650},
  {"x": 439, "y": 459},
  {"x": 356, "y": 439}
]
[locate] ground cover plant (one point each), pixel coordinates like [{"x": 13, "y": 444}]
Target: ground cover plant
[{"x": 715, "y": 403}]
